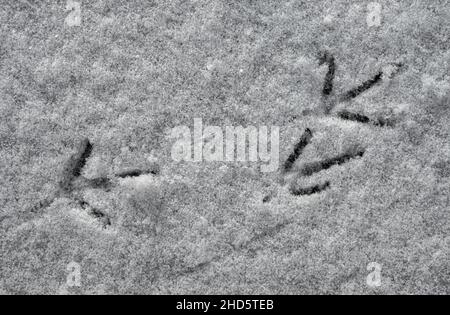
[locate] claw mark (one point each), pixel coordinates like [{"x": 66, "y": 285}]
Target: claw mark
[
  {"x": 136, "y": 173},
  {"x": 329, "y": 79},
  {"x": 83, "y": 204},
  {"x": 363, "y": 87},
  {"x": 383, "y": 122},
  {"x": 75, "y": 164},
  {"x": 101, "y": 216},
  {"x": 310, "y": 190},
  {"x": 43, "y": 204},
  {"x": 346, "y": 115},
  {"x": 81, "y": 183},
  {"x": 85, "y": 151},
  {"x": 72, "y": 170},
  {"x": 72, "y": 182},
  {"x": 317, "y": 167},
  {"x": 380, "y": 122},
  {"x": 267, "y": 199},
  {"x": 100, "y": 183},
  {"x": 97, "y": 214},
  {"x": 298, "y": 150},
  {"x": 132, "y": 173}
]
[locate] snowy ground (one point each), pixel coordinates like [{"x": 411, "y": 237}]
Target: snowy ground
[{"x": 132, "y": 70}]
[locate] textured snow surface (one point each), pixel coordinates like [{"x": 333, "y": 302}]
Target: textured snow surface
[{"x": 135, "y": 69}]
